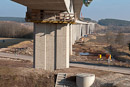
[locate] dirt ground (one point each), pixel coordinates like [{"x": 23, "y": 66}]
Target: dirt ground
[
  {"x": 17, "y": 46},
  {"x": 19, "y": 73},
  {"x": 93, "y": 46}
]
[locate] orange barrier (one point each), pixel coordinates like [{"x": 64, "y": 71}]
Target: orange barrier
[{"x": 108, "y": 56}]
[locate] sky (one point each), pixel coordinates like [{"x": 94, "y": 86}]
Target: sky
[
  {"x": 98, "y": 9},
  {"x": 101, "y": 9}
]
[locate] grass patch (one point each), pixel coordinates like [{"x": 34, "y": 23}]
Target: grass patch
[{"x": 4, "y": 43}]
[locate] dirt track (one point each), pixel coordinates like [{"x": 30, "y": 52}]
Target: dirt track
[{"x": 82, "y": 65}]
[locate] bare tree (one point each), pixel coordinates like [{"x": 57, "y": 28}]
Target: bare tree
[
  {"x": 110, "y": 38},
  {"x": 15, "y": 30},
  {"x": 120, "y": 39}
]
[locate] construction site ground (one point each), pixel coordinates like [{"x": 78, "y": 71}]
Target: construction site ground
[
  {"x": 95, "y": 45},
  {"x": 19, "y": 73}
]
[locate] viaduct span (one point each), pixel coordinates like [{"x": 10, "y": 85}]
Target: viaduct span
[{"x": 56, "y": 27}]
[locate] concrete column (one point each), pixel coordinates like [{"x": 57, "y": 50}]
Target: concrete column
[
  {"x": 92, "y": 27},
  {"x": 39, "y": 46},
  {"x": 84, "y": 28},
  {"x": 79, "y": 31},
  {"x": 62, "y": 55},
  {"x": 88, "y": 29},
  {"x": 71, "y": 39},
  {"x": 74, "y": 33},
  {"x": 51, "y": 46}
]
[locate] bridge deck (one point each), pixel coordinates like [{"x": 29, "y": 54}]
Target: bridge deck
[{"x": 43, "y": 4}]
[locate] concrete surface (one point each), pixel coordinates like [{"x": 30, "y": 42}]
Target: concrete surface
[
  {"x": 70, "y": 39},
  {"x": 85, "y": 79},
  {"x": 77, "y": 7},
  {"x": 15, "y": 56},
  {"x": 62, "y": 46},
  {"x": 71, "y": 6},
  {"x": 104, "y": 68},
  {"x": 51, "y": 46},
  {"x": 44, "y": 4}
]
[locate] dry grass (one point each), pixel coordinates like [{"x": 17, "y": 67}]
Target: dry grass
[
  {"x": 22, "y": 44},
  {"x": 15, "y": 75},
  {"x": 18, "y": 73},
  {"x": 10, "y": 41},
  {"x": 19, "y": 46},
  {"x": 5, "y": 38},
  {"x": 97, "y": 46}
]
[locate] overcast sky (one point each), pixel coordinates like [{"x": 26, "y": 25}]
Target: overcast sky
[{"x": 98, "y": 9}]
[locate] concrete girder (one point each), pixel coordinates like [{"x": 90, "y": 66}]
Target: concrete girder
[
  {"x": 77, "y": 7},
  {"x": 58, "y": 5},
  {"x": 71, "y": 6}
]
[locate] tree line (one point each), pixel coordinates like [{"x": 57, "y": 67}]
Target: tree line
[
  {"x": 113, "y": 22},
  {"x": 15, "y": 30}
]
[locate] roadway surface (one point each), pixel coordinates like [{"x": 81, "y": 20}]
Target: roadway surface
[
  {"x": 15, "y": 56},
  {"x": 75, "y": 64}
]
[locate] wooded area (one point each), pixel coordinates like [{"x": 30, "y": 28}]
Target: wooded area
[
  {"x": 113, "y": 22},
  {"x": 15, "y": 30}
]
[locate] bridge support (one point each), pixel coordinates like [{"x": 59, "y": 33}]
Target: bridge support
[
  {"x": 90, "y": 28},
  {"x": 51, "y": 46},
  {"x": 71, "y": 39},
  {"x": 52, "y": 20}
]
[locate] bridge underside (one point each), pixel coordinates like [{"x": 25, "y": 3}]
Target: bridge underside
[
  {"x": 44, "y": 4},
  {"x": 77, "y": 7},
  {"x": 71, "y": 6}
]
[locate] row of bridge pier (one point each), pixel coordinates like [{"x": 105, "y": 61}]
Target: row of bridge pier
[{"x": 53, "y": 43}]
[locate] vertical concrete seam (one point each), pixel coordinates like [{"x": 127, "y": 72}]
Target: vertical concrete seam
[{"x": 55, "y": 45}]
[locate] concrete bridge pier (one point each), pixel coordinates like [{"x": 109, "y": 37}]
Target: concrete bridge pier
[
  {"x": 90, "y": 28},
  {"x": 52, "y": 21},
  {"x": 51, "y": 46},
  {"x": 70, "y": 39}
]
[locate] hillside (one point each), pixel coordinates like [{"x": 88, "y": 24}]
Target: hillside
[
  {"x": 87, "y": 20},
  {"x": 113, "y": 22},
  {"x": 16, "y": 19}
]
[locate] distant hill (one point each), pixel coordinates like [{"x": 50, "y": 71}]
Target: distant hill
[
  {"x": 16, "y": 19},
  {"x": 113, "y": 22},
  {"x": 88, "y": 20}
]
